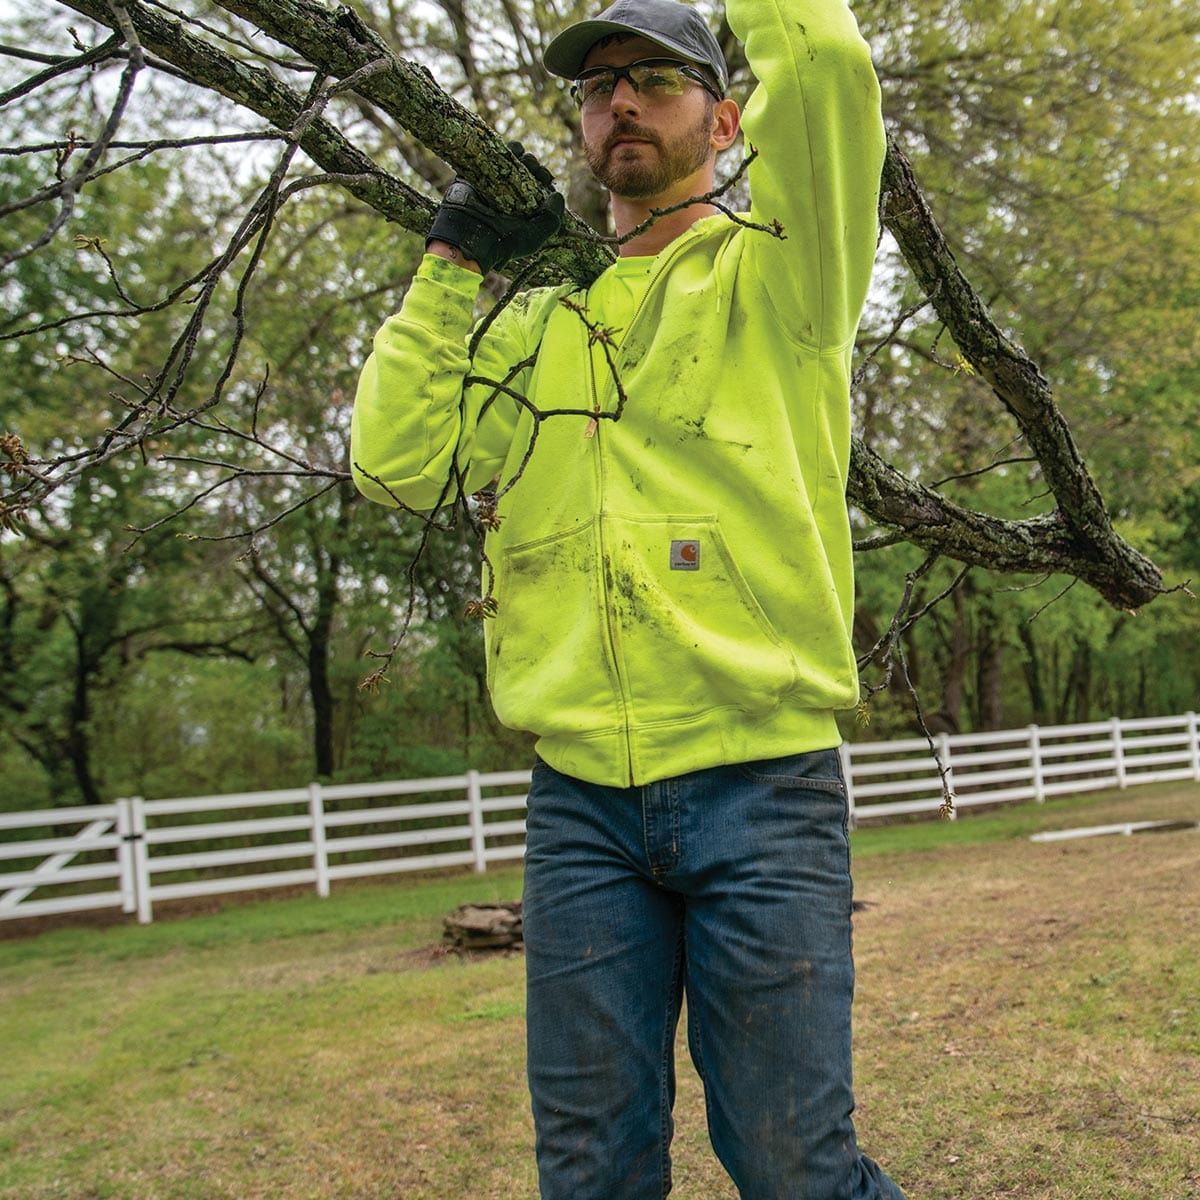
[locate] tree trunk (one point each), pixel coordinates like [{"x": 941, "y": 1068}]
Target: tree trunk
[
  {"x": 321, "y": 696},
  {"x": 76, "y": 745},
  {"x": 948, "y": 718},
  {"x": 1032, "y": 666},
  {"x": 991, "y": 678},
  {"x": 1077, "y": 695}
]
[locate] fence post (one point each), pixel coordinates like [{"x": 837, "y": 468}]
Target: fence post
[
  {"x": 316, "y": 813},
  {"x": 1118, "y": 752},
  {"x": 125, "y": 857},
  {"x": 475, "y": 799},
  {"x": 1035, "y": 763},
  {"x": 848, "y": 776},
  {"x": 1194, "y": 743},
  {"x": 141, "y": 859}
]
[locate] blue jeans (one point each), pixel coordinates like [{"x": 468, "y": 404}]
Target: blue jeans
[{"x": 732, "y": 886}]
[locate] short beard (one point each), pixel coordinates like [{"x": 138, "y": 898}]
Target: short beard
[{"x": 643, "y": 180}]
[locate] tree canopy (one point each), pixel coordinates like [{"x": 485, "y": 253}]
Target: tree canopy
[{"x": 208, "y": 209}]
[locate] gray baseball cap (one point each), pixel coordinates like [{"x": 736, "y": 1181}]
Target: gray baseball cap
[{"x": 677, "y": 28}]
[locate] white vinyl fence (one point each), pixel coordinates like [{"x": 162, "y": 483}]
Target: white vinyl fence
[{"x": 135, "y": 852}]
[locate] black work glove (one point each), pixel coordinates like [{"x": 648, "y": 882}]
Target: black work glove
[{"x": 490, "y": 237}]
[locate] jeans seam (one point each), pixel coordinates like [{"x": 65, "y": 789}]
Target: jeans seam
[
  {"x": 832, "y": 786},
  {"x": 668, "y": 1054}
]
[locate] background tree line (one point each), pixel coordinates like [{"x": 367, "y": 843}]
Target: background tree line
[{"x": 198, "y": 609}]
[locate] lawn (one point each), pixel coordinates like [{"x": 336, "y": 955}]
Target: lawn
[{"x": 1028, "y": 1026}]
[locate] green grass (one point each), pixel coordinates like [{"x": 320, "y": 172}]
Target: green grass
[
  {"x": 416, "y": 905},
  {"x": 1028, "y": 1026},
  {"x": 977, "y": 827}
]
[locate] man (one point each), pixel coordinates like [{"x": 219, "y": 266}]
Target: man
[{"x": 672, "y": 587}]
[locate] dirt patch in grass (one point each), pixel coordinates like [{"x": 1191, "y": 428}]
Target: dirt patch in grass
[{"x": 1029, "y": 1018}]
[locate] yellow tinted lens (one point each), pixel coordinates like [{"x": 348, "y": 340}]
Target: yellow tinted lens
[
  {"x": 657, "y": 80},
  {"x": 650, "y": 79}
]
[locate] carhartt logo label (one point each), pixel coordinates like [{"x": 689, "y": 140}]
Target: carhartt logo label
[{"x": 685, "y": 556}]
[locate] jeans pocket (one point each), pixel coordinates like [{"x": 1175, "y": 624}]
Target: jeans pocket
[{"x": 813, "y": 770}]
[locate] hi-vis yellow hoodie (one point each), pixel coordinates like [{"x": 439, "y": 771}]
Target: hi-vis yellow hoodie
[{"x": 674, "y": 588}]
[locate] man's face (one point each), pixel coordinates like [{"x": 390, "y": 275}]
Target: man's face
[{"x": 641, "y": 147}]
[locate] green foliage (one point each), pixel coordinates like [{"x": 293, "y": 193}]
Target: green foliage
[
  {"x": 237, "y": 731},
  {"x": 433, "y": 716}
]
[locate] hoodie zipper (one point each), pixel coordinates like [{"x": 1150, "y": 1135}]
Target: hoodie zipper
[{"x": 590, "y": 433}]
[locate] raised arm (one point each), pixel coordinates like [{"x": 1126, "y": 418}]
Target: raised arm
[{"x": 816, "y": 123}]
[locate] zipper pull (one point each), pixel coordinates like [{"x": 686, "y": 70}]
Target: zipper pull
[{"x": 592, "y": 426}]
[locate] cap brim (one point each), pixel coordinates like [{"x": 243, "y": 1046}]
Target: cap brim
[{"x": 565, "y": 54}]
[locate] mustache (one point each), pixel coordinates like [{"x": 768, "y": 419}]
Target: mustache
[{"x": 629, "y": 129}]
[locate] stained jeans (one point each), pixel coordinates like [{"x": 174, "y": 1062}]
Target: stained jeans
[{"x": 732, "y": 886}]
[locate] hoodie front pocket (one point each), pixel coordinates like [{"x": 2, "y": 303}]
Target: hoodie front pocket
[
  {"x": 548, "y": 659},
  {"x": 687, "y": 631}
]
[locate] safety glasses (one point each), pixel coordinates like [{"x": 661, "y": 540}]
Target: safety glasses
[{"x": 653, "y": 78}]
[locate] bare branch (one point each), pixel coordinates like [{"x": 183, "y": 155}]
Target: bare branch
[
  {"x": 260, "y": 92},
  {"x": 992, "y": 466},
  {"x": 1123, "y": 576},
  {"x": 61, "y": 66},
  {"x": 1119, "y": 573},
  {"x": 65, "y": 191}
]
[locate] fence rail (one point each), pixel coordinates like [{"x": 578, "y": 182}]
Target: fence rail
[{"x": 135, "y": 852}]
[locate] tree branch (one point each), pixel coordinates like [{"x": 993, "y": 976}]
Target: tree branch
[
  {"x": 1123, "y": 576},
  {"x": 338, "y": 43},
  {"x": 1077, "y": 539},
  {"x": 261, "y": 93},
  {"x": 1080, "y": 533}
]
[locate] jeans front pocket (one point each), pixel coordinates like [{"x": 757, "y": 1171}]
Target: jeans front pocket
[{"x": 819, "y": 770}]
